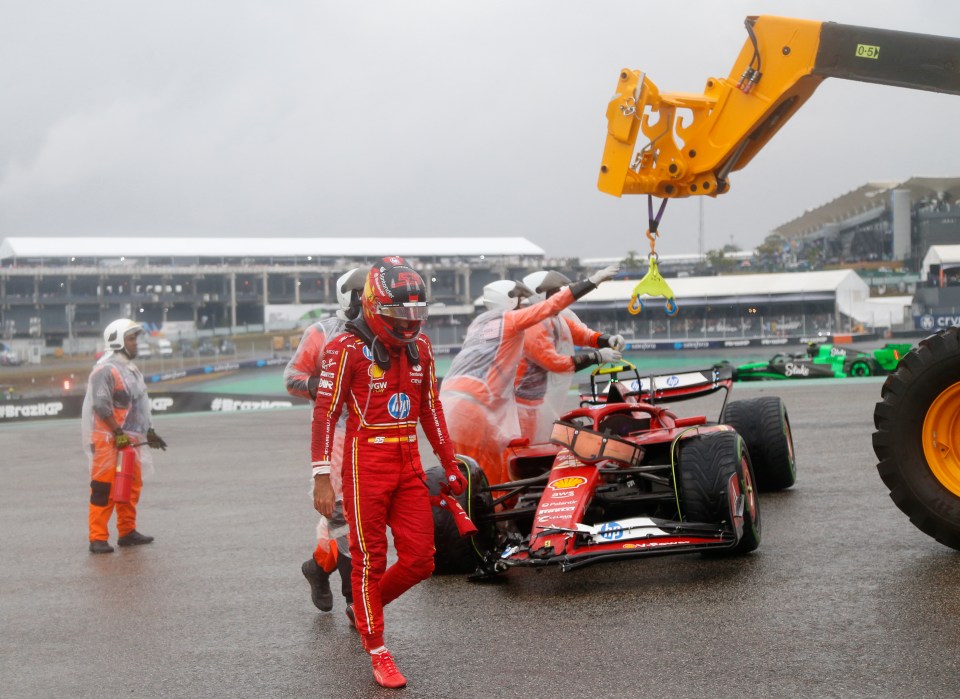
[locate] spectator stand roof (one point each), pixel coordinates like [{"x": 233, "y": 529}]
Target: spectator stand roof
[
  {"x": 174, "y": 247},
  {"x": 866, "y": 198}
]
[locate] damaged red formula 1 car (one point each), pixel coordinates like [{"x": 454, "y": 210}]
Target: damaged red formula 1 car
[{"x": 623, "y": 476}]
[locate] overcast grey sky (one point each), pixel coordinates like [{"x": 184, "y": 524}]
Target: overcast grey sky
[{"x": 414, "y": 118}]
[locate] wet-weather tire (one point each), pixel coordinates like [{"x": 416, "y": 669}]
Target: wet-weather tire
[
  {"x": 705, "y": 464},
  {"x": 765, "y": 427},
  {"x": 918, "y": 436},
  {"x": 455, "y": 554},
  {"x": 860, "y": 368}
]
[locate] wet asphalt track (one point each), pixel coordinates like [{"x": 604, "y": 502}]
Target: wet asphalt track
[{"x": 844, "y": 598}]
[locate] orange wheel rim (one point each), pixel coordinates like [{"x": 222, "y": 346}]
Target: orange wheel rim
[{"x": 941, "y": 438}]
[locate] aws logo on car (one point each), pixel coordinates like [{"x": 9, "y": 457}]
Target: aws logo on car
[{"x": 567, "y": 483}]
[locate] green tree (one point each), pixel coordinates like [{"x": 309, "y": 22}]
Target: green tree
[
  {"x": 719, "y": 262},
  {"x": 632, "y": 261},
  {"x": 772, "y": 245}
]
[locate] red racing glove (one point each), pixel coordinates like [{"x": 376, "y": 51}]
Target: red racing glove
[{"x": 454, "y": 478}]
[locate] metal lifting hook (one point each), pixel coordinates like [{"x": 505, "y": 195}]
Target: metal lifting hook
[{"x": 652, "y": 284}]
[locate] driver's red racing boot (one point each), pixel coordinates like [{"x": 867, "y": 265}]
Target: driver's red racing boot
[{"x": 385, "y": 671}]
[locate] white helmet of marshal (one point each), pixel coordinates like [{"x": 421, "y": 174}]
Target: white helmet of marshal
[
  {"x": 349, "y": 289},
  {"x": 545, "y": 282},
  {"x": 504, "y": 295},
  {"x": 114, "y": 333}
]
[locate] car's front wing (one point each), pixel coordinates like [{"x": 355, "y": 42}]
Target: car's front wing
[{"x": 637, "y": 536}]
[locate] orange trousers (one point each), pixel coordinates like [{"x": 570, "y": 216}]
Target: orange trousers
[
  {"x": 325, "y": 555},
  {"x": 102, "y": 505}
]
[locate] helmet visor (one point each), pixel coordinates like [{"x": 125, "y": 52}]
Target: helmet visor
[{"x": 405, "y": 311}]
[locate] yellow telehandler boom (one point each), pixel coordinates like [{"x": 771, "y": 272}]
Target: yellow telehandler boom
[{"x": 693, "y": 142}]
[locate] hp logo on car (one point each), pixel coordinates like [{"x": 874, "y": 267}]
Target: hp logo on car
[{"x": 611, "y": 530}]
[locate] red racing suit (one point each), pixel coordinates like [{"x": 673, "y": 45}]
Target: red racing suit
[
  {"x": 383, "y": 480},
  {"x": 300, "y": 376},
  {"x": 478, "y": 390},
  {"x": 546, "y": 371}
]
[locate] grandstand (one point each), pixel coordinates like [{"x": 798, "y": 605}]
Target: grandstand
[
  {"x": 67, "y": 289},
  {"x": 60, "y": 292},
  {"x": 879, "y": 222}
]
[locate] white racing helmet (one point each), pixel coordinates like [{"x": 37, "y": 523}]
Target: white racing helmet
[
  {"x": 349, "y": 289},
  {"x": 114, "y": 333},
  {"x": 545, "y": 282},
  {"x": 504, "y": 295}
]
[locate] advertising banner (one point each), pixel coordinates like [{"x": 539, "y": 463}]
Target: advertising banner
[
  {"x": 160, "y": 404},
  {"x": 932, "y": 322}
]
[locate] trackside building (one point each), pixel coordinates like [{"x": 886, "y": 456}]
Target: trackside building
[{"x": 64, "y": 290}]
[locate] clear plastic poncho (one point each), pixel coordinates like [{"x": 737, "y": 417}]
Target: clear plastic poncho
[
  {"x": 479, "y": 383},
  {"x": 547, "y": 388},
  {"x": 115, "y": 387}
]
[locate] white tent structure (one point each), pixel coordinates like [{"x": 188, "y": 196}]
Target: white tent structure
[
  {"x": 851, "y": 292},
  {"x": 945, "y": 256},
  {"x": 845, "y": 285}
]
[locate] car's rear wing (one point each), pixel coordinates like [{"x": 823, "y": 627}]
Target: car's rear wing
[{"x": 615, "y": 382}]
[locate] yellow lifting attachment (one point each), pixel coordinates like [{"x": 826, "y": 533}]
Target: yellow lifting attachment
[{"x": 652, "y": 284}]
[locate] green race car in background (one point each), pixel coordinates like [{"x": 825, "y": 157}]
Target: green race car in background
[{"x": 825, "y": 361}]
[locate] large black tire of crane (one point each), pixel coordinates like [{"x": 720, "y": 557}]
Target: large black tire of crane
[
  {"x": 455, "y": 554},
  {"x": 705, "y": 464},
  {"x": 765, "y": 427},
  {"x": 918, "y": 436}
]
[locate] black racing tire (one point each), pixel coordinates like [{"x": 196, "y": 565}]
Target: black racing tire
[
  {"x": 918, "y": 436},
  {"x": 860, "y": 367},
  {"x": 455, "y": 554},
  {"x": 765, "y": 427},
  {"x": 705, "y": 464}
]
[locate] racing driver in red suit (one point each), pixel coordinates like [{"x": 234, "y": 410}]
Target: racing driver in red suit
[{"x": 383, "y": 375}]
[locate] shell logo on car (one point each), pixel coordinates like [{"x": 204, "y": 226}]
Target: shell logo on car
[{"x": 567, "y": 482}]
